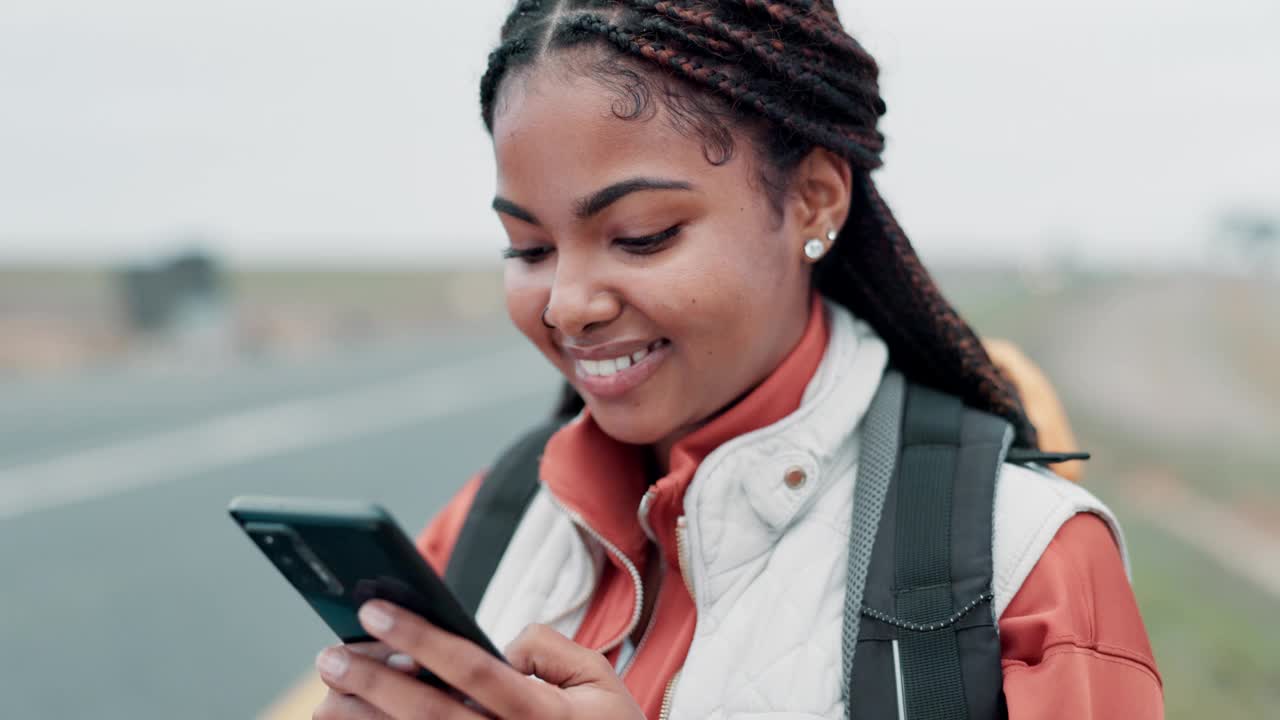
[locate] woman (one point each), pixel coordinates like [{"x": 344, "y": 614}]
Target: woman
[{"x": 698, "y": 247}]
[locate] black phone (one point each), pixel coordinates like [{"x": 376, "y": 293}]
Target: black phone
[{"x": 339, "y": 554}]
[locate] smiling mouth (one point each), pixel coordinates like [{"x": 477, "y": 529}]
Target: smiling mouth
[
  {"x": 612, "y": 366},
  {"x": 611, "y": 378}
]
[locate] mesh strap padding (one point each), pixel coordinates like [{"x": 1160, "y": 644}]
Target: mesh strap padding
[{"x": 876, "y": 458}]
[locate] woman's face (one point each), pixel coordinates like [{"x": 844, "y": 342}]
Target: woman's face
[{"x": 673, "y": 285}]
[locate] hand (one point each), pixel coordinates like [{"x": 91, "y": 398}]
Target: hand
[
  {"x": 377, "y": 652},
  {"x": 570, "y": 683}
]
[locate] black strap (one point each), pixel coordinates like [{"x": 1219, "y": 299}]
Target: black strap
[
  {"x": 933, "y": 685},
  {"x": 927, "y": 645},
  {"x": 505, "y": 493},
  {"x": 1027, "y": 455}
]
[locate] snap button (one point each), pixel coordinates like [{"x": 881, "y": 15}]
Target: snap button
[{"x": 795, "y": 477}]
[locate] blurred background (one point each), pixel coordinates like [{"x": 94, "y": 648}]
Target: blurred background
[{"x": 246, "y": 248}]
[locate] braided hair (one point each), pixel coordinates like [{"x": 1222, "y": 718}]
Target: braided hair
[{"x": 787, "y": 73}]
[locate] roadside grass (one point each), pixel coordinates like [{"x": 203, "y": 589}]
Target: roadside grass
[
  {"x": 1248, "y": 324},
  {"x": 1222, "y": 467},
  {"x": 367, "y": 303},
  {"x": 1244, "y": 477},
  {"x": 1215, "y": 637},
  {"x": 435, "y": 290},
  {"x": 373, "y": 287},
  {"x": 58, "y": 320},
  {"x": 53, "y": 289},
  {"x": 1214, "y": 634},
  {"x": 28, "y": 278}
]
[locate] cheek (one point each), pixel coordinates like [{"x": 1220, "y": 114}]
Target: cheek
[
  {"x": 735, "y": 283},
  {"x": 526, "y": 296},
  {"x": 751, "y": 290},
  {"x": 702, "y": 305}
]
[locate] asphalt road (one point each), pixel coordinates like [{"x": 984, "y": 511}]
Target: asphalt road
[
  {"x": 1160, "y": 356},
  {"x": 127, "y": 592}
]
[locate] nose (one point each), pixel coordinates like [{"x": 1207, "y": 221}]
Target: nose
[{"x": 580, "y": 302}]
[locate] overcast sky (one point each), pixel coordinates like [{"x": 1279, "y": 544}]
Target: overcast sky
[{"x": 335, "y": 131}]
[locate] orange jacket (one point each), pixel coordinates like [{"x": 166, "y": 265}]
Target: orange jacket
[{"x": 1073, "y": 642}]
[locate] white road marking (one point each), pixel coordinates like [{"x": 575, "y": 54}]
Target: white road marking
[{"x": 256, "y": 434}]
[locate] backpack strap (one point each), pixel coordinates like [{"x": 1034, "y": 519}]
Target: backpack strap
[
  {"x": 1026, "y": 456},
  {"x": 927, "y": 645},
  {"x": 504, "y": 495},
  {"x": 877, "y": 458}
]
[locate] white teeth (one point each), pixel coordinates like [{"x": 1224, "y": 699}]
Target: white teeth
[{"x": 605, "y": 368}]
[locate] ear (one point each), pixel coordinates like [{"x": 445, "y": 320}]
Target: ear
[{"x": 822, "y": 187}]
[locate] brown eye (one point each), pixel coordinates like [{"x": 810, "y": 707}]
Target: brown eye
[{"x": 650, "y": 243}]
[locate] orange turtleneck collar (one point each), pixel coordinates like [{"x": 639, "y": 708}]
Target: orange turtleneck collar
[{"x": 603, "y": 480}]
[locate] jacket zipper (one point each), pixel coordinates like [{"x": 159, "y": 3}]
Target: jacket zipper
[
  {"x": 668, "y": 695},
  {"x": 682, "y": 556},
  {"x": 682, "y": 540},
  {"x": 642, "y": 515},
  {"x": 626, "y": 563},
  {"x": 635, "y": 652},
  {"x": 682, "y": 552}
]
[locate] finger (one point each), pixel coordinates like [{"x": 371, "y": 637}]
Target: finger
[
  {"x": 372, "y": 650},
  {"x": 389, "y": 691},
  {"x": 541, "y": 651},
  {"x": 461, "y": 663},
  {"x": 403, "y": 663},
  {"x": 336, "y": 706},
  {"x": 380, "y": 652},
  {"x": 375, "y": 650}
]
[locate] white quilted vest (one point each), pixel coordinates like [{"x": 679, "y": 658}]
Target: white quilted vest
[{"x": 767, "y": 561}]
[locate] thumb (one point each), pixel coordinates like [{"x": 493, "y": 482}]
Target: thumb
[{"x": 554, "y": 658}]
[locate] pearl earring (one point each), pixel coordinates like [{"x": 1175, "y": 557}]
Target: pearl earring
[{"x": 814, "y": 248}]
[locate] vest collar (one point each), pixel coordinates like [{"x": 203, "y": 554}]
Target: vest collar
[
  {"x": 818, "y": 438},
  {"x": 602, "y": 481}
]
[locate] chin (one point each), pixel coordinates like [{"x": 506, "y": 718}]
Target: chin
[{"x": 630, "y": 427}]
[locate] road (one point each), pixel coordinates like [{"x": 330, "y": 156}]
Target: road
[
  {"x": 126, "y": 591},
  {"x": 1160, "y": 356}
]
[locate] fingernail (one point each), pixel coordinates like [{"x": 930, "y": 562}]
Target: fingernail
[
  {"x": 400, "y": 661},
  {"x": 333, "y": 662},
  {"x": 375, "y": 618}
]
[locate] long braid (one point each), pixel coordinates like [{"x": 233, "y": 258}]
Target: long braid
[
  {"x": 767, "y": 47},
  {"x": 810, "y": 24},
  {"x": 735, "y": 87},
  {"x": 769, "y": 52},
  {"x": 792, "y": 64}
]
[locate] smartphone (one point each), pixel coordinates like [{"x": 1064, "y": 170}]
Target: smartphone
[{"x": 339, "y": 554}]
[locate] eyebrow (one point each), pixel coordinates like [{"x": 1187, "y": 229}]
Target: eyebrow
[
  {"x": 504, "y": 205},
  {"x": 595, "y": 203},
  {"x": 598, "y": 201}
]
